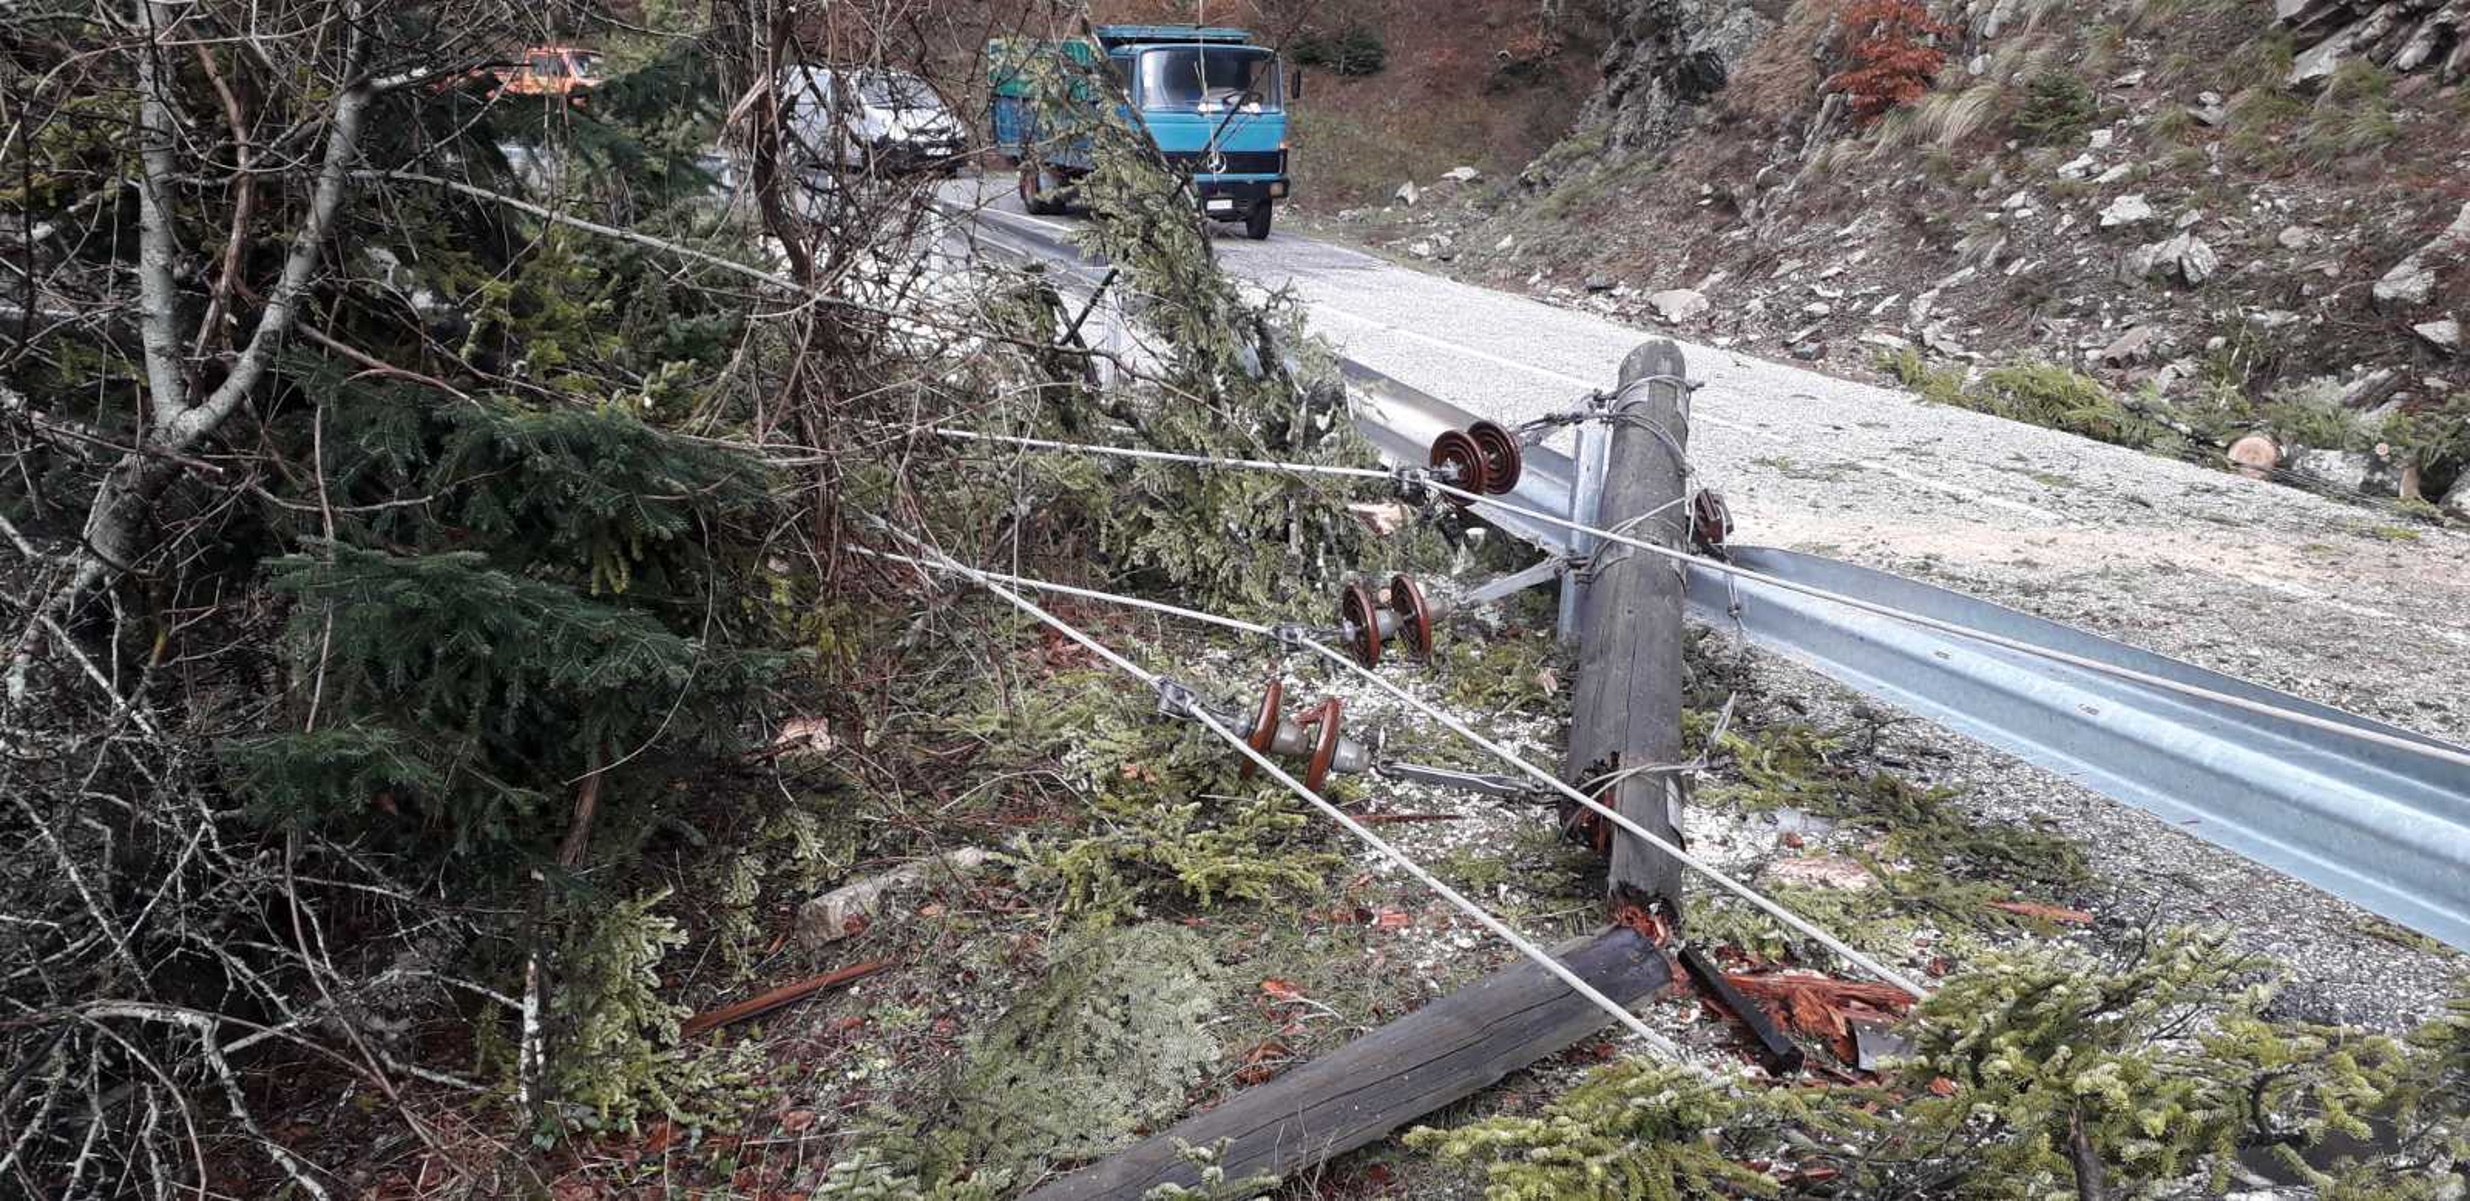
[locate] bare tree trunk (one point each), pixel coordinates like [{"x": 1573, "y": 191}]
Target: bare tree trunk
[
  {"x": 115, "y": 527},
  {"x": 2091, "y": 1183},
  {"x": 158, "y": 303}
]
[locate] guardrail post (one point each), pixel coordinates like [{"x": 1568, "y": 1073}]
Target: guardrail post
[
  {"x": 1585, "y": 507},
  {"x": 1626, "y": 713}
]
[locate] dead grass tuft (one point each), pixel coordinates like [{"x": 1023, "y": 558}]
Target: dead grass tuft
[{"x": 1780, "y": 77}]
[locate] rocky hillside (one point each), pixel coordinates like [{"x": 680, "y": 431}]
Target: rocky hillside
[{"x": 2246, "y": 224}]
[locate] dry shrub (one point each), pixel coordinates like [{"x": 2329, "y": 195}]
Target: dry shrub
[{"x": 1893, "y": 46}]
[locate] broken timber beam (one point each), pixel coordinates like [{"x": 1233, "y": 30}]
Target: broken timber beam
[
  {"x": 1626, "y": 713},
  {"x": 1446, "y": 1051}
]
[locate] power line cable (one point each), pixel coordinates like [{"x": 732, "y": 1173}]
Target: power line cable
[
  {"x": 1460, "y": 728},
  {"x": 1743, "y": 891},
  {"x": 2425, "y": 749},
  {"x": 1500, "y": 929}
]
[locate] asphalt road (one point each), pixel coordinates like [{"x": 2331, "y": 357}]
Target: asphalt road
[{"x": 2341, "y": 602}]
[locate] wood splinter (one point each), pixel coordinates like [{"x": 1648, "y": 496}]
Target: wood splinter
[{"x": 787, "y": 994}]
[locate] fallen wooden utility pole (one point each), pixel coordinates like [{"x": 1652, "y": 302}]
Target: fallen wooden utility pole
[
  {"x": 1448, "y": 1050},
  {"x": 1625, "y": 716}
]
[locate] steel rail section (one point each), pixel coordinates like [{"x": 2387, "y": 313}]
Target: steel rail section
[{"x": 2373, "y": 824}]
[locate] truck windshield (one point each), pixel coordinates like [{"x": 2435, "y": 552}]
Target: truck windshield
[
  {"x": 1208, "y": 79},
  {"x": 894, "y": 90}
]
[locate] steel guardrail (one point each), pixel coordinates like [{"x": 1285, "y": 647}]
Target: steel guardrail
[{"x": 2371, "y": 823}]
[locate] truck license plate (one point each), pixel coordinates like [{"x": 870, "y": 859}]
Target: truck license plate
[{"x": 1221, "y": 206}]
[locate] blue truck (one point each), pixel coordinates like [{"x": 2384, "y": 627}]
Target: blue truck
[{"x": 1212, "y": 100}]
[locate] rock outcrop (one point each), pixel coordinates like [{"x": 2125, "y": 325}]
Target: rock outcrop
[
  {"x": 1665, "y": 58},
  {"x": 2412, "y": 281},
  {"x": 2404, "y": 35}
]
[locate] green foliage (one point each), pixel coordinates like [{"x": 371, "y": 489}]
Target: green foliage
[
  {"x": 549, "y": 597},
  {"x": 867, "y": 1174},
  {"x": 2042, "y": 394},
  {"x": 2058, "y": 107},
  {"x": 615, "y": 1030},
  {"x": 499, "y": 684},
  {"x": 1234, "y": 377},
  {"x": 1214, "y": 1185},
  {"x": 803, "y": 842},
  {"x": 2431, "y": 438},
  {"x": 1513, "y": 671},
  {"x": 2259, "y": 124},
  {"x": 871, "y": 1173},
  {"x": 62, "y": 157},
  {"x": 1356, "y": 49},
  {"x": 1195, "y": 851},
  {"x": 645, "y": 127},
  {"x": 1635, "y": 1130},
  {"x": 2259, "y": 61},
  {"x": 2050, "y": 395},
  {"x": 1932, "y": 862},
  {"x": 2156, "y": 1066},
  {"x": 2161, "y": 1062},
  {"x": 1168, "y": 819},
  {"x": 2445, "y": 1044},
  {"x": 1113, "y": 1040},
  {"x": 596, "y": 491}
]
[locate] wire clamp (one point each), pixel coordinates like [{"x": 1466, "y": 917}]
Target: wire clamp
[
  {"x": 1413, "y": 484},
  {"x": 1292, "y": 635},
  {"x": 1177, "y": 701}
]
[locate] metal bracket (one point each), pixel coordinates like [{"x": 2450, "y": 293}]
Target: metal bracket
[
  {"x": 1413, "y": 484},
  {"x": 1776, "y": 1052},
  {"x": 1445, "y": 777},
  {"x": 1177, "y": 701},
  {"x": 1291, "y": 635}
]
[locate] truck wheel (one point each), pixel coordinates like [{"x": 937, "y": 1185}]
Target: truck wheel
[
  {"x": 1256, "y": 222},
  {"x": 1034, "y": 193}
]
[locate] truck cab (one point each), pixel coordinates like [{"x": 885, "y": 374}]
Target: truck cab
[
  {"x": 1216, "y": 105},
  {"x": 1212, "y": 100}
]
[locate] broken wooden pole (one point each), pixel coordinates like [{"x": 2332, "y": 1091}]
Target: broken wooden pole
[
  {"x": 1625, "y": 717},
  {"x": 1446, "y": 1051}
]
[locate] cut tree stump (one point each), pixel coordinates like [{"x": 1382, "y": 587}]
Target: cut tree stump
[
  {"x": 1626, "y": 712},
  {"x": 1444, "y": 1052}
]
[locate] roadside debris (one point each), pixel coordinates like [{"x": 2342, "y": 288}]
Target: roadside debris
[
  {"x": 827, "y": 918},
  {"x": 786, "y": 994},
  {"x": 1776, "y": 1052},
  {"x": 2046, "y": 913},
  {"x": 1825, "y": 1007}
]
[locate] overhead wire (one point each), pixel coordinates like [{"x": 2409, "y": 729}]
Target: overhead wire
[
  {"x": 2425, "y": 749},
  {"x": 1463, "y": 730},
  {"x": 1165, "y": 456},
  {"x": 1132, "y": 602},
  {"x": 1714, "y": 874},
  {"x": 1382, "y": 846}
]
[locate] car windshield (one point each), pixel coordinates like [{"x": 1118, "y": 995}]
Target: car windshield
[
  {"x": 893, "y": 90},
  {"x": 587, "y": 66},
  {"x": 1209, "y": 78}
]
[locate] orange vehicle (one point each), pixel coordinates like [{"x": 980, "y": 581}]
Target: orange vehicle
[{"x": 552, "y": 71}]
